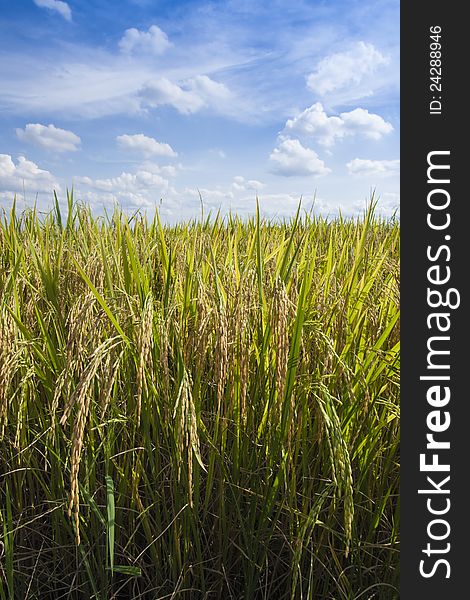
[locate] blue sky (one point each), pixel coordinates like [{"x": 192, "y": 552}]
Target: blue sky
[{"x": 149, "y": 103}]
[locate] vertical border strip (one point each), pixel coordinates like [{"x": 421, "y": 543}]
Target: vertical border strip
[{"x": 434, "y": 402}]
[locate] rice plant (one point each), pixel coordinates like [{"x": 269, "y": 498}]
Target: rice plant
[{"x": 203, "y": 410}]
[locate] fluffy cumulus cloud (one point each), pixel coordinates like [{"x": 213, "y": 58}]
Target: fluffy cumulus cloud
[
  {"x": 56, "y": 5},
  {"x": 164, "y": 170},
  {"x": 24, "y": 175},
  {"x": 189, "y": 97},
  {"x": 343, "y": 69},
  {"x": 162, "y": 91},
  {"x": 363, "y": 122},
  {"x": 326, "y": 130},
  {"x": 290, "y": 159},
  {"x": 240, "y": 184},
  {"x": 153, "y": 41},
  {"x": 49, "y": 137},
  {"x": 145, "y": 145},
  {"x": 367, "y": 167},
  {"x": 126, "y": 182},
  {"x": 142, "y": 189}
]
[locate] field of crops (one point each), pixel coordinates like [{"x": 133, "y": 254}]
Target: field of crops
[{"x": 203, "y": 410}]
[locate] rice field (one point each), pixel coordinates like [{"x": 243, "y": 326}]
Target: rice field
[{"x": 198, "y": 411}]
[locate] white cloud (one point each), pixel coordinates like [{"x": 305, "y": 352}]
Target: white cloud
[
  {"x": 314, "y": 122},
  {"x": 107, "y": 87},
  {"x": 49, "y": 137},
  {"x": 148, "y": 146},
  {"x": 209, "y": 90},
  {"x": 194, "y": 93},
  {"x": 345, "y": 69},
  {"x": 240, "y": 184},
  {"x": 25, "y": 175},
  {"x": 131, "y": 191},
  {"x": 365, "y": 123},
  {"x": 366, "y": 167},
  {"x": 47, "y": 85},
  {"x": 154, "y": 41},
  {"x": 126, "y": 182},
  {"x": 162, "y": 91},
  {"x": 58, "y": 6},
  {"x": 165, "y": 170},
  {"x": 290, "y": 158},
  {"x": 254, "y": 184}
]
